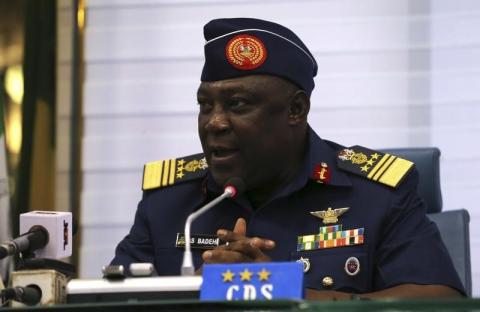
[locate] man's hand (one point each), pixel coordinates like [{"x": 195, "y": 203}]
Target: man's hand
[{"x": 238, "y": 247}]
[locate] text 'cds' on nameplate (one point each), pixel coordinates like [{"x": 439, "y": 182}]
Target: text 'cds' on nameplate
[{"x": 252, "y": 281}]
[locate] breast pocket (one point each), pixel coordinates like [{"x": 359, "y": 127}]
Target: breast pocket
[{"x": 342, "y": 269}]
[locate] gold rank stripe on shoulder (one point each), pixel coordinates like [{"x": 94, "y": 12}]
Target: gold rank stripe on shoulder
[
  {"x": 159, "y": 173},
  {"x": 377, "y": 166},
  {"x": 390, "y": 170},
  {"x": 168, "y": 172}
]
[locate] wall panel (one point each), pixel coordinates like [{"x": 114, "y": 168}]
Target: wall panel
[{"x": 456, "y": 111}]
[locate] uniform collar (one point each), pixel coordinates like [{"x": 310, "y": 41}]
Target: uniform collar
[
  {"x": 324, "y": 152},
  {"x": 318, "y": 152}
]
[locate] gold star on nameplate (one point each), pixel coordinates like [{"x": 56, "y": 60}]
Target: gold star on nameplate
[
  {"x": 330, "y": 215},
  {"x": 263, "y": 275},
  {"x": 246, "y": 275},
  {"x": 228, "y": 276}
]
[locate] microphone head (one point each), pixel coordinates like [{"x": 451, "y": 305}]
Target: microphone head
[
  {"x": 234, "y": 186},
  {"x": 39, "y": 240},
  {"x": 57, "y": 224}
]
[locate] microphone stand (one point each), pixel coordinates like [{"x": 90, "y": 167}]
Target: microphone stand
[{"x": 187, "y": 265}]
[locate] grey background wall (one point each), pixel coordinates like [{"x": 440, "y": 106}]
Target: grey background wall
[{"x": 391, "y": 74}]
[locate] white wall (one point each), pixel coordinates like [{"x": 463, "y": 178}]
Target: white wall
[
  {"x": 455, "y": 109},
  {"x": 388, "y": 77}
]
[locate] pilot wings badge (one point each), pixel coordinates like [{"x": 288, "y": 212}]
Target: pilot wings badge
[{"x": 330, "y": 215}]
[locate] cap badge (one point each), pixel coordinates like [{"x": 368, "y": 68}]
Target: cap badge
[
  {"x": 352, "y": 266},
  {"x": 245, "y": 52},
  {"x": 329, "y": 216}
]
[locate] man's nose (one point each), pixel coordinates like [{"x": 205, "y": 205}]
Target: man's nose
[{"x": 218, "y": 122}]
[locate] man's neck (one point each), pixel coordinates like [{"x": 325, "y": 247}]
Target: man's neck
[{"x": 262, "y": 195}]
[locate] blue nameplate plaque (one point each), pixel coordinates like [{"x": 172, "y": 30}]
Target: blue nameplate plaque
[{"x": 252, "y": 281}]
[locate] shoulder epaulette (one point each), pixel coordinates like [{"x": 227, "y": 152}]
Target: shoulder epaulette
[
  {"x": 373, "y": 165},
  {"x": 162, "y": 173}
]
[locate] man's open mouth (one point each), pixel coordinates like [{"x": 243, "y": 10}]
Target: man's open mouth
[
  {"x": 223, "y": 152},
  {"x": 220, "y": 153}
]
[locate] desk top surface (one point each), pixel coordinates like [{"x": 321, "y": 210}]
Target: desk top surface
[{"x": 330, "y": 306}]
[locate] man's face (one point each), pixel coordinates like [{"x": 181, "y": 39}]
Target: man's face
[{"x": 243, "y": 127}]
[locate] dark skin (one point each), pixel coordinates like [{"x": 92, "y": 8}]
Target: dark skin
[
  {"x": 245, "y": 125},
  {"x": 251, "y": 127}
]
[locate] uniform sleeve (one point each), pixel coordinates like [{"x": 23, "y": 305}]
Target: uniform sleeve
[
  {"x": 137, "y": 245},
  {"x": 411, "y": 250}
]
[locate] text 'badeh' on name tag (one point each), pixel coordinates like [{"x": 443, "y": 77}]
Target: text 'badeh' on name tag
[
  {"x": 252, "y": 281},
  {"x": 198, "y": 241}
]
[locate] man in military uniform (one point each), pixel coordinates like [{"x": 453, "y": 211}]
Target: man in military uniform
[{"x": 350, "y": 215}]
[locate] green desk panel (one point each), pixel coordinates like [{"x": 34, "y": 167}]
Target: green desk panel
[{"x": 328, "y": 306}]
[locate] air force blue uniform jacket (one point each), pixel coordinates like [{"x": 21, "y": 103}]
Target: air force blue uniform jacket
[{"x": 399, "y": 244}]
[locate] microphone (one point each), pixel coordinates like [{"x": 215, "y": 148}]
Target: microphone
[
  {"x": 232, "y": 188},
  {"x": 43, "y": 287},
  {"x": 29, "y": 295},
  {"x": 37, "y": 237},
  {"x": 47, "y": 234}
]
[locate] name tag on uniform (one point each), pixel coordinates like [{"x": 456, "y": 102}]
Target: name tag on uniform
[
  {"x": 252, "y": 281},
  {"x": 198, "y": 241}
]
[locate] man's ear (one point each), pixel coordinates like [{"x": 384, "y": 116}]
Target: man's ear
[{"x": 299, "y": 108}]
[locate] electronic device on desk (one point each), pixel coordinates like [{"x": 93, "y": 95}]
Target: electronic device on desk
[{"x": 115, "y": 286}]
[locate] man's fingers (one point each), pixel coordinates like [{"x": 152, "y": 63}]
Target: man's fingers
[
  {"x": 238, "y": 247},
  {"x": 240, "y": 227},
  {"x": 238, "y": 233},
  {"x": 233, "y": 237},
  {"x": 229, "y": 236},
  {"x": 224, "y": 256},
  {"x": 254, "y": 248},
  {"x": 251, "y": 248},
  {"x": 261, "y": 243}
]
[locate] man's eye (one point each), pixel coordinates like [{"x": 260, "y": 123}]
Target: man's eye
[
  {"x": 204, "y": 106},
  {"x": 237, "y": 103}
]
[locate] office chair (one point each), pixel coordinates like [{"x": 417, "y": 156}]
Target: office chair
[{"x": 453, "y": 224}]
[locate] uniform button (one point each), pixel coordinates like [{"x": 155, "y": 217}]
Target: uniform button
[{"x": 327, "y": 281}]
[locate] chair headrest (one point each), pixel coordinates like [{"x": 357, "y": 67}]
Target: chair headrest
[{"x": 427, "y": 162}]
